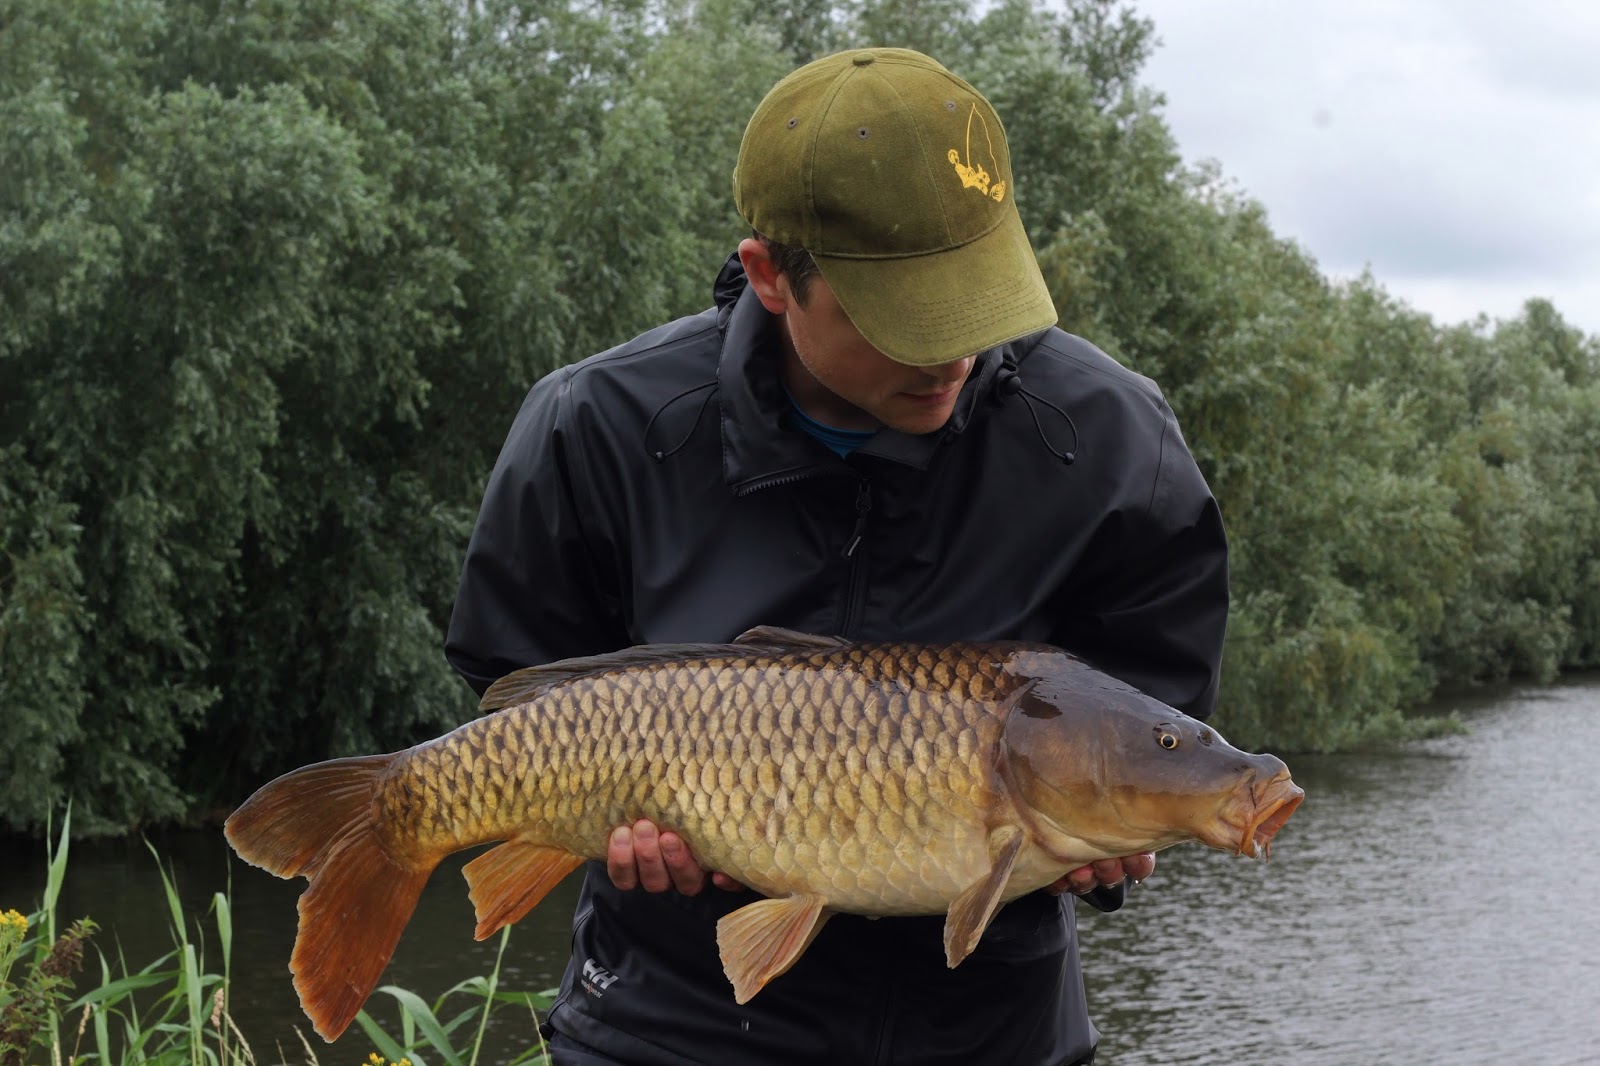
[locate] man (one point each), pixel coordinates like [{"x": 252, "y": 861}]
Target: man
[{"x": 878, "y": 433}]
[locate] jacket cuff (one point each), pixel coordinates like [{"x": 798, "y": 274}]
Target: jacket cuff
[{"x": 1108, "y": 898}]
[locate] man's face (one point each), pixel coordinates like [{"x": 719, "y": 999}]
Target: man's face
[{"x": 841, "y": 380}]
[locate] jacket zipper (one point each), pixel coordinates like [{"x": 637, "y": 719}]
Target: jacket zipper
[
  {"x": 788, "y": 478},
  {"x": 856, "y": 583},
  {"x": 856, "y": 586}
]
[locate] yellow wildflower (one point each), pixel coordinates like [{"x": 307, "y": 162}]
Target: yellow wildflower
[{"x": 14, "y": 918}]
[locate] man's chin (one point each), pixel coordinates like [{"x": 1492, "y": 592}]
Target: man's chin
[{"x": 919, "y": 423}]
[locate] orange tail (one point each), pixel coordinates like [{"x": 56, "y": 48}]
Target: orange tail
[{"x": 318, "y": 822}]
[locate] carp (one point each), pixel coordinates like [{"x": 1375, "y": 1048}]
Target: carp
[{"x": 826, "y": 775}]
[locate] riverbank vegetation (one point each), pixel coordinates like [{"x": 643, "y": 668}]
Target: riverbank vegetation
[
  {"x": 176, "y": 1009},
  {"x": 275, "y": 276}
]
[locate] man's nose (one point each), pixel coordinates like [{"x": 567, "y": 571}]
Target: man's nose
[{"x": 948, "y": 373}]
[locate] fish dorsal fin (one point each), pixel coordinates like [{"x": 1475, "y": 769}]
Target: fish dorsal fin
[
  {"x": 790, "y": 639},
  {"x": 522, "y": 686},
  {"x": 970, "y": 913},
  {"x": 760, "y": 941}
]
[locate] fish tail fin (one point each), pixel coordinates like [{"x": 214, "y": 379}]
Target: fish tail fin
[{"x": 319, "y": 822}]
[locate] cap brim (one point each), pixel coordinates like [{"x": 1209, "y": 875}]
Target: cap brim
[{"x": 946, "y": 305}]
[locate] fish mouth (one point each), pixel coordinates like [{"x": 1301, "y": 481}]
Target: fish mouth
[{"x": 1275, "y": 801}]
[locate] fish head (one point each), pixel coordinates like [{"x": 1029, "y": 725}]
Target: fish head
[{"x": 1104, "y": 771}]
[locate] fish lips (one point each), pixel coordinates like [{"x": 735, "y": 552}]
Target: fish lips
[{"x": 1254, "y": 815}]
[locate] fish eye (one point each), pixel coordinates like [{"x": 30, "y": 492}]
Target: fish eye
[{"x": 1166, "y": 738}]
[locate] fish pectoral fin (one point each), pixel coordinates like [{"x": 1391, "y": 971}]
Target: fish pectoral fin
[
  {"x": 970, "y": 912},
  {"x": 508, "y": 881},
  {"x": 760, "y": 941}
]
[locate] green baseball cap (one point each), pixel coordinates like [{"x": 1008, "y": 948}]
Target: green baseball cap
[{"x": 894, "y": 174}]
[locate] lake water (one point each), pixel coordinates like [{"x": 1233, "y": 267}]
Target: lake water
[{"x": 1437, "y": 906}]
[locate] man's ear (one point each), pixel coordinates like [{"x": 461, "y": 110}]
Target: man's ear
[{"x": 770, "y": 286}]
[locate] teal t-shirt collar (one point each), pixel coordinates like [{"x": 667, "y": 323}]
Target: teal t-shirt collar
[{"x": 841, "y": 441}]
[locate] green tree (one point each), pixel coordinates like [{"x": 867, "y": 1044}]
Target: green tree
[{"x": 274, "y": 276}]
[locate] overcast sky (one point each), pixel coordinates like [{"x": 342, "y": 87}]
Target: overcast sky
[{"x": 1451, "y": 145}]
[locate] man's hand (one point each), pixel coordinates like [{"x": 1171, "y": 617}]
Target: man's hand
[
  {"x": 1106, "y": 872},
  {"x": 639, "y": 856}
]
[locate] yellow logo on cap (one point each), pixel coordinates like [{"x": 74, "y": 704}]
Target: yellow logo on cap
[{"x": 974, "y": 176}]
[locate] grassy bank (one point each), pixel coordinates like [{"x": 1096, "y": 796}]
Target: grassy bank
[{"x": 66, "y": 999}]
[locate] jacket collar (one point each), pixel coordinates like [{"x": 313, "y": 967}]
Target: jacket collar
[{"x": 758, "y": 447}]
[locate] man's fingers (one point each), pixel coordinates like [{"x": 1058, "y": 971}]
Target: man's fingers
[
  {"x": 653, "y": 876},
  {"x": 1106, "y": 872},
  {"x": 687, "y": 875},
  {"x": 619, "y": 859},
  {"x": 641, "y": 856},
  {"x": 1081, "y": 880}
]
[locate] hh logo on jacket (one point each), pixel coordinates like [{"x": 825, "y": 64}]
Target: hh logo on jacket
[{"x": 596, "y": 979}]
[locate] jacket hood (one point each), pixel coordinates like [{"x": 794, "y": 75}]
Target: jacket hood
[{"x": 757, "y": 453}]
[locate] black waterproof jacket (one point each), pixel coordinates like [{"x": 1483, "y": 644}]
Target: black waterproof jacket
[{"x": 656, "y": 493}]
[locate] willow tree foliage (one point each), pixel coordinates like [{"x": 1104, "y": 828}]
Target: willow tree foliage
[{"x": 275, "y": 274}]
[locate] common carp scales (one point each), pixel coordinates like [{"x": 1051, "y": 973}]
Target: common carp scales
[{"x": 827, "y": 775}]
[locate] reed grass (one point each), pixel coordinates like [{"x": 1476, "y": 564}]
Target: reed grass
[{"x": 175, "y": 1010}]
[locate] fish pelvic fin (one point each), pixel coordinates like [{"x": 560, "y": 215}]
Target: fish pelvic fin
[
  {"x": 508, "y": 881},
  {"x": 971, "y": 911},
  {"x": 760, "y": 941},
  {"x": 320, "y": 822}
]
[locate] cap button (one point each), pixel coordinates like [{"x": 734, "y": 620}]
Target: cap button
[{"x": 863, "y": 60}]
